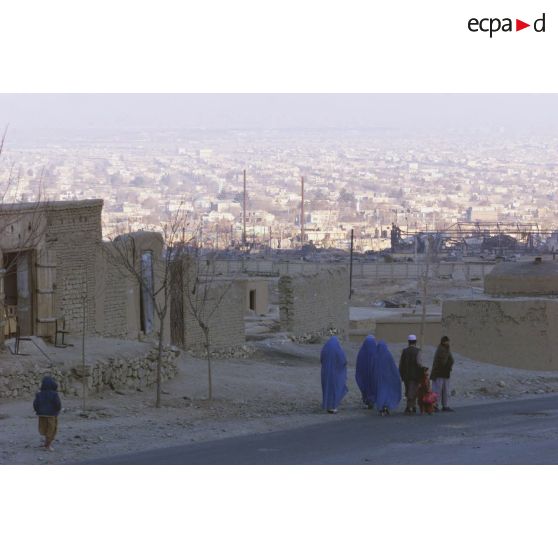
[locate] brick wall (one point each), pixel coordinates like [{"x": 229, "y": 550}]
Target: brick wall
[
  {"x": 313, "y": 304},
  {"x": 223, "y": 308},
  {"x": 119, "y": 292},
  {"x": 226, "y": 323},
  {"x": 73, "y": 231},
  {"x": 115, "y": 299}
]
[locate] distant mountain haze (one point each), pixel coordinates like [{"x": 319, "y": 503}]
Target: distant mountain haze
[{"x": 426, "y": 112}]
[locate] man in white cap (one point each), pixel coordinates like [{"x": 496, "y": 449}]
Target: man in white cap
[{"x": 411, "y": 370}]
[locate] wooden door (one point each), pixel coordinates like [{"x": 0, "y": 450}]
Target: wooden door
[{"x": 45, "y": 293}]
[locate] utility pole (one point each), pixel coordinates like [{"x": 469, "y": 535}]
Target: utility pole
[
  {"x": 253, "y": 230},
  {"x": 351, "y": 265},
  {"x": 83, "y": 329},
  {"x": 424, "y": 293},
  {"x": 2, "y": 275},
  {"x": 417, "y": 265},
  {"x": 301, "y": 211},
  {"x": 244, "y": 211}
]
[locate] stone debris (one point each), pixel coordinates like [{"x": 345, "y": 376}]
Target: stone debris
[
  {"x": 238, "y": 351},
  {"x": 315, "y": 338}
]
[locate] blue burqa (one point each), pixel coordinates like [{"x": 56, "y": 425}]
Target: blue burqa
[
  {"x": 364, "y": 370},
  {"x": 386, "y": 379},
  {"x": 334, "y": 374}
]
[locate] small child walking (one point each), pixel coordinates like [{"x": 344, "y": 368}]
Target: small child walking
[
  {"x": 47, "y": 405},
  {"x": 426, "y": 397}
]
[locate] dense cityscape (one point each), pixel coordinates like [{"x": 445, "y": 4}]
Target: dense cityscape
[{"x": 364, "y": 180}]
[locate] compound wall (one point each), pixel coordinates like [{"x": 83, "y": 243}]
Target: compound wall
[
  {"x": 315, "y": 304},
  {"x": 225, "y": 316},
  {"x": 519, "y": 333},
  {"x": 523, "y": 278}
]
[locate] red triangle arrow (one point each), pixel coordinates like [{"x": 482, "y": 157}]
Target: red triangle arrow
[{"x": 519, "y": 25}]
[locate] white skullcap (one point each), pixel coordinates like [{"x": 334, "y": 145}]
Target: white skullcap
[{"x": 412, "y": 337}]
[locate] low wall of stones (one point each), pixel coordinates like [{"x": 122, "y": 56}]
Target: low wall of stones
[
  {"x": 19, "y": 380},
  {"x": 519, "y": 333},
  {"x": 315, "y": 305}
]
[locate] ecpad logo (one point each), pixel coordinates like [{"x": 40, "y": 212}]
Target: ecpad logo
[{"x": 493, "y": 25}]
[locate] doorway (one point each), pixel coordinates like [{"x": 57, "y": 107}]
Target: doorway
[
  {"x": 18, "y": 289},
  {"x": 146, "y": 295},
  {"x": 252, "y": 301}
]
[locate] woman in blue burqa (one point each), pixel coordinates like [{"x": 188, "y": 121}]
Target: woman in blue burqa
[
  {"x": 334, "y": 374},
  {"x": 386, "y": 379},
  {"x": 364, "y": 371}
]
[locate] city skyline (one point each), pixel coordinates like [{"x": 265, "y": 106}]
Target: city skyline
[{"x": 363, "y": 179}]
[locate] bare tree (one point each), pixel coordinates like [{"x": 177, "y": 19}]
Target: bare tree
[
  {"x": 204, "y": 289},
  {"x": 84, "y": 371},
  {"x": 22, "y": 226},
  {"x": 155, "y": 286},
  {"x": 430, "y": 258}
]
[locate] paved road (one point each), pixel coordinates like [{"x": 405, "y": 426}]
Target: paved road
[{"x": 512, "y": 432}]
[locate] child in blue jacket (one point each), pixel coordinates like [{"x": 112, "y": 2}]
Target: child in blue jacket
[{"x": 47, "y": 405}]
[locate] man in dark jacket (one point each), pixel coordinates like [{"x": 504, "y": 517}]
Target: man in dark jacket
[
  {"x": 411, "y": 370},
  {"x": 441, "y": 370},
  {"x": 47, "y": 405}
]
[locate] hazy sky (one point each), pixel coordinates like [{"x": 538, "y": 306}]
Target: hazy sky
[{"x": 401, "y": 111}]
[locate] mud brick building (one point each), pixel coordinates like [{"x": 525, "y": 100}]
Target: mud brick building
[
  {"x": 123, "y": 307},
  {"x": 54, "y": 266},
  {"x": 221, "y": 302},
  {"x": 48, "y": 260}
]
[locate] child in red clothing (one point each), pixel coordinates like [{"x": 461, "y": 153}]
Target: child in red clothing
[{"x": 426, "y": 397}]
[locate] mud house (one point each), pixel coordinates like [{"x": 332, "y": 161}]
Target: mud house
[
  {"x": 48, "y": 261},
  {"x": 218, "y": 300},
  {"x": 55, "y": 269},
  {"x": 256, "y": 295},
  {"x": 124, "y": 305}
]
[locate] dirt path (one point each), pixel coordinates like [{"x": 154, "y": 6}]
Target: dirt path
[{"x": 276, "y": 388}]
